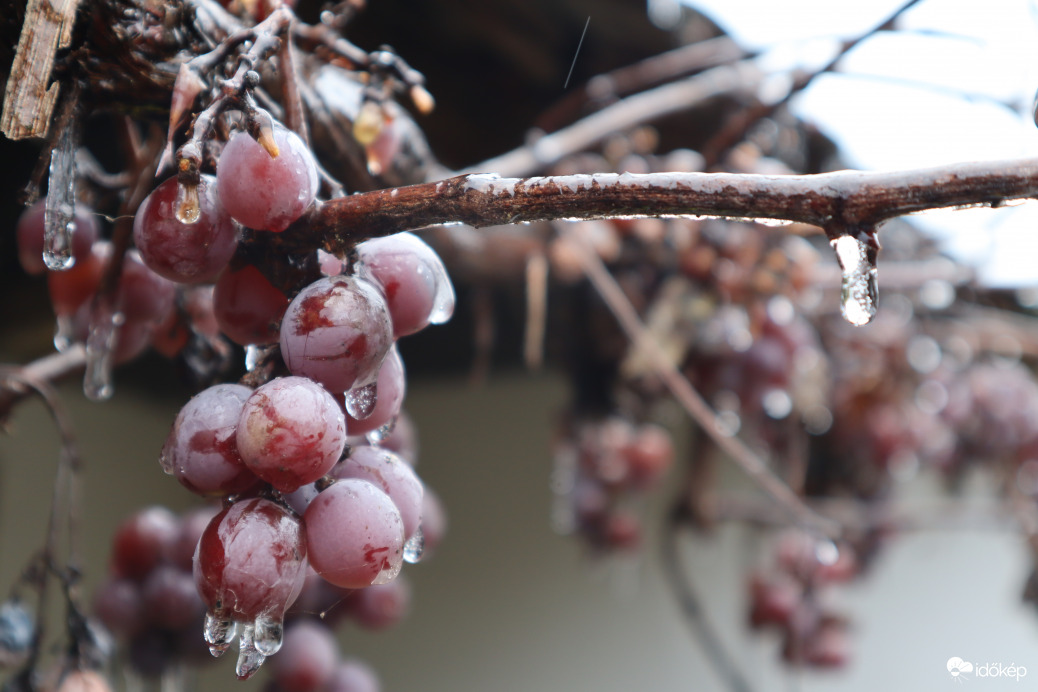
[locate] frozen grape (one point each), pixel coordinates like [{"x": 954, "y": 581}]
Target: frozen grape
[
  {"x": 248, "y": 307},
  {"x": 291, "y": 432},
  {"x": 251, "y": 561},
  {"x": 185, "y": 252},
  {"x": 265, "y": 192},
  {"x": 413, "y": 278},
  {"x": 392, "y": 475},
  {"x": 142, "y": 541},
  {"x": 382, "y": 605},
  {"x": 353, "y": 676},
  {"x": 337, "y": 331},
  {"x": 170, "y": 599},
  {"x": 201, "y": 450},
  {"x": 354, "y": 534},
  {"x": 119, "y": 605}
]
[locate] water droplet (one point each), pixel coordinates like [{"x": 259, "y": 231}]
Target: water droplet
[
  {"x": 105, "y": 322},
  {"x": 414, "y": 547},
  {"x": 857, "y": 257},
  {"x": 376, "y": 436},
  {"x": 219, "y": 632},
  {"x": 64, "y": 333},
  {"x": 249, "y": 657},
  {"x": 59, "y": 212},
  {"x": 268, "y": 634},
  {"x": 253, "y": 354},
  {"x": 826, "y": 552},
  {"x": 188, "y": 210},
  {"x": 360, "y": 401},
  {"x": 443, "y": 298}
]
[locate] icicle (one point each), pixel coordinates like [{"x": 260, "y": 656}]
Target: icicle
[
  {"x": 60, "y": 211},
  {"x": 249, "y": 657},
  {"x": 360, "y": 401},
  {"x": 105, "y": 322},
  {"x": 856, "y": 252},
  {"x": 268, "y": 634},
  {"x": 219, "y": 632},
  {"x": 64, "y": 333}
]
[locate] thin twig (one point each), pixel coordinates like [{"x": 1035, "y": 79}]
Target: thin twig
[{"x": 689, "y": 398}]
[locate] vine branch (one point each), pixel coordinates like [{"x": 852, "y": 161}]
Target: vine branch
[{"x": 833, "y": 201}]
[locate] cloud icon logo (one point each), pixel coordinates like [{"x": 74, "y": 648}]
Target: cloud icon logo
[{"x": 956, "y": 666}]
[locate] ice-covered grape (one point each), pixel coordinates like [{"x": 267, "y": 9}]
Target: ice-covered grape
[
  {"x": 413, "y": 278},
  {"x": 265, "y": 192},
  {"x": 201, "y": 450},
  {"x": 291, "y": 432},
  {"x": 354, "y": 535},
  {"x": 392, "y": 475},
  {"x": 307, "y": 659},
  {"x": 337, "y": 331},
  {"x": 185, "y": 252},
  {"x": 251, "y": 561},
  {"x": 142, "y": 541}
]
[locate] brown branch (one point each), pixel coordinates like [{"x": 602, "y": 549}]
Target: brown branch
[{"x": 834, "y": 201}]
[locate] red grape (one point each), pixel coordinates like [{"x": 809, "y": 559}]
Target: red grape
[
  {"x": 263, "y": 192},
  {"x": 291, "y": 432},
  {"x": 337, "y": 331},
  {"x": 186, "y": 253},
  {"x": 381, "y": 605},
  {"x": 142, "y": 541},
  {"x": 392, "y": 475},
  {"x": 247, "y": 306},
  {"x": 202, "y": 449},
  {"x": 353, "y": 676},
  {"x": 354, "y": 534},
  {"x": 307, "y": 658}
]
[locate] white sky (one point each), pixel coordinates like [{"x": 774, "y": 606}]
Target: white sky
[{"x": 912, "y": 99}]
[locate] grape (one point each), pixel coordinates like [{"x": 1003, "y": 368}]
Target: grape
[
  {"x": 391, "y": 386},
  {"x": 337, "y": 331},
  {"x": 118, "y": 603},
  {"x": 262, "y": 192},
  {"x": 251, "y": 561},
  {"x": 141, "y": 541},
  {"x": 170, "y": 599},
  {"x": 201, "y": 450},
  {"x": 307, "y": 659},
  {"x": 392, "y": 475},
  {"x": 354, "y": 534},
  {"x": 353, "y": 676},
  {"x": 381, "y": 605},
  {"x": 144, "y": 295},
  {"x": 30, "y": 236},
  {"x": 73, "y": 287},
  {"x": 192, "y": 525},
  {"x": 291, "y": 432},
  {"x": 413, "y": 278},
  {"x": 434, "y": 522},
  {"x": 185, "y": 253},
  {"x": 649, "y": 455},
  {"x": 247, "y": 306}
]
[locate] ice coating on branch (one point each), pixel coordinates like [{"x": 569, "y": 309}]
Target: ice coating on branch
[
  {"x": 360, "y": 401},
  {"x": 59, "y": 218},
  {"x": 489, "y": 183},
  {"x": 105, "y": 321},
  {"x": 856, "y": 254}
]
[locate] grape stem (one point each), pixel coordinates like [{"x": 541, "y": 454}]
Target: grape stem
[{"x": 841, "y": 199}]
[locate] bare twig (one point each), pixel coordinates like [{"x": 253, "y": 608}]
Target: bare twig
[{"x": 839, "y": 200}]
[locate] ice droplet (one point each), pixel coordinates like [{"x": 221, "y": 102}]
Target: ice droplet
[
  {"x": 219, "y": 632},
  {"x": 105, "y": 322},
  {"x": 376, "y": 436},
  {"x": 17, "y": 632},
  {"x": 268, "y": 634},
  {"x": 443, "y": 298},
  {"x": 60, "y": 209},
  {"x": 857, "y": 257},
  {"x": 187, "y": 208},
  {"x": 64, "y": 333},
  {"x": 249, "y": 657},
  {"x": 390, "y": 571},
  {"x": 360, "y": 401},
  {"x": 253, "y": 354},
  {"x": 826, "y": 552},
  {"x": 414, "y": 547}
]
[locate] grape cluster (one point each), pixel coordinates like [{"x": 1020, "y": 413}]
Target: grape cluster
[
  {"x": 602, "y": 467},
  {"x": 149, "y": 601}
]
